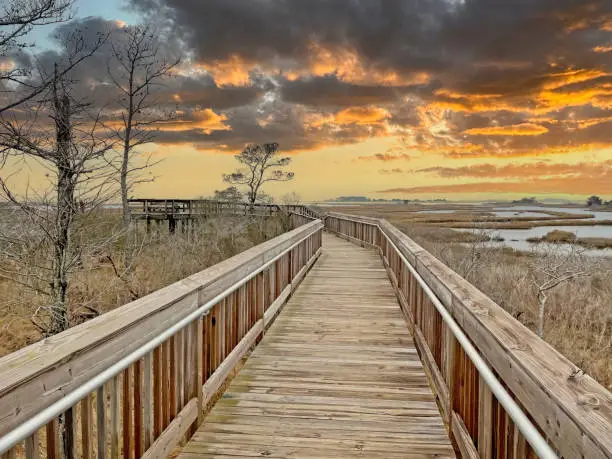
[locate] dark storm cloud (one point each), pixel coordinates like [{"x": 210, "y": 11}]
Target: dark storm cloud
[
  {"x": 329, "y": 91},
  {"x": 431, "y": 35},
  {"x": 261, "y": 29},
  {"x": 456, "y": 65}
]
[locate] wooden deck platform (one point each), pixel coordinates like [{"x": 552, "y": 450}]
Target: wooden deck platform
[{"x": 336, "y": 375}]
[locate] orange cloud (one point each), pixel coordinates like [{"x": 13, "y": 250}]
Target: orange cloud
[
  {"x": 231, "y": 72},
  {"x": 537, "y": 169},
  {"x": 206, "y": 120},
  {"x": 347, "y": 66},
  {"x": 514, "y": 129},
  {"x": 550, "y": 92},
  {"x": 362, "y": 115},
  {"x": 456, "y": 153},
  {"x": 582, "y": 124},
  {"x": 603, "y": 49}
]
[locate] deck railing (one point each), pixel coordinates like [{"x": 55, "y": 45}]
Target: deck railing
[
  {"x": 194, "y": 208},
  {"x": 503, "y": 391},
  {"x": 133, "y": 382}
]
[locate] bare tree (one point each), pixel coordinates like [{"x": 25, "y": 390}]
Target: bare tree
[
  {"x": 478, "y": 243},
  {"x": 137, "y": 68},
  {"x": 73, "y": 154},
  {"x": 21, "y": 78},
  {"x": 553, "y": 266},
  {"x": 19, "y": 17},
  {"x": 61, "y": 134},
  {"x": 261, "y": 164}
]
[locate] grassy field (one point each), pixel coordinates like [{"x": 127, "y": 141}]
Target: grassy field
[
  {"x": 99, "y": 283},
  {"x": 578, "y": 319}
]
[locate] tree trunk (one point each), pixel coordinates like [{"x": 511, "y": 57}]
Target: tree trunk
[
  {"x": 252, "y": 198},
  {"x": 124, "y": 176},
  {"x": 542, "y": 299},
  {"x": 125, "y": 163},
  {"x": 66, "y": 210},
  {"x": 65, "y": 214}
]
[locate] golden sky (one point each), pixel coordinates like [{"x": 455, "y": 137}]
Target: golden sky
[{"x": 444, "y": 98}]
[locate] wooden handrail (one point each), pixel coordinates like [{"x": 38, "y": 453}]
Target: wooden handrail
[
  {"x": 156, "y": 400},
  {"x": 144, "y": 207},
  {"x": 569, "y": 408}
]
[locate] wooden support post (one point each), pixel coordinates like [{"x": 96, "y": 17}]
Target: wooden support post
[
  {"x": 148, "y": 401},
  {"x": 32, "y": 447},
  {"x": 127, "y": 415},
  {"x": 200, "y": 368},
  {"x": 450, "y": 348},
  {"x": 101, "y": 420},
  {"x": 114, "y": 418}
]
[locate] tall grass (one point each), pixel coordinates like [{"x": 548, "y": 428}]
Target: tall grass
[
  {"x": 578, "y": 319},
  {"x": 101, "y": 282}
]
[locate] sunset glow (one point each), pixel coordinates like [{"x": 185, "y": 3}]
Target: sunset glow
[{"x": 386, "y": 99}]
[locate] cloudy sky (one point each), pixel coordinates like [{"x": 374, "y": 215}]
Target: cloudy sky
[{"x": 388, "y": 98}]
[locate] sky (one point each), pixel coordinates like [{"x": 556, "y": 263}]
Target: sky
[{"x": 422, "y": 99}]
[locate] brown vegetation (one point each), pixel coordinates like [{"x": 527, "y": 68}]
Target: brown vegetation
[
  {"x": 100, "y": 285},
  {"x": 578, "y": 315},
  {"x": 567, "y": 237},
  {"x": 465, "y": 217}
]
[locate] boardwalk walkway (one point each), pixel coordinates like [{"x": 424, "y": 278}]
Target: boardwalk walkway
[{"x": 336, "y": 375}]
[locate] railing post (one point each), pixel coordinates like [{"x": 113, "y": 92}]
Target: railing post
[
  {"x": 259, "y": 288},
  {"x": 450, "y": 351},
  {"x": 485, "y": 421},
  {"x": 200, "y": 368}
]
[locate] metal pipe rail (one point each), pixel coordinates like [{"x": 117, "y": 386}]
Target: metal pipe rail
[
  {"x": 531, "y": 432},
  {"x": 440, "y": 356},
  {"x": 289, "y": 266}
]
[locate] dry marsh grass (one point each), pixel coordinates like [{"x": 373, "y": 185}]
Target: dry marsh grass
[
  {"x": 159, "y": 259},
  {"x": 578, "y": 319},
  {"x": 465, "y": 217},
  {"x": 567, "y": 237}
]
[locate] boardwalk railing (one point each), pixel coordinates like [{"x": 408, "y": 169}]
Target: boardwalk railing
[
  {"x": 501, "y": 389},
  {"x": 193, "y": 208},
  {"x": 134, "y": 382}
]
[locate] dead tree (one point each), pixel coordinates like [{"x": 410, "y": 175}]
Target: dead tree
[
  {"x": 553, "y": 266},
  {"x": 136, "y": 70},
  {"x": 63, "y": 136},
  {"x": 261, "y": 164},
  {"x": 21, "y": 79}
]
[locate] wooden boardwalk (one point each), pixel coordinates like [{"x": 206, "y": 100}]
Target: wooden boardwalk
[{"x": 336, "y": 375}]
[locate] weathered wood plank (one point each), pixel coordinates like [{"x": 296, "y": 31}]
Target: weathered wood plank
[
  {"x": 101, "y": 420},
  {"x": 40, "y": 374},
  {"x": 336, "y": 375},
  {"x": 115, "y": 419}
]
